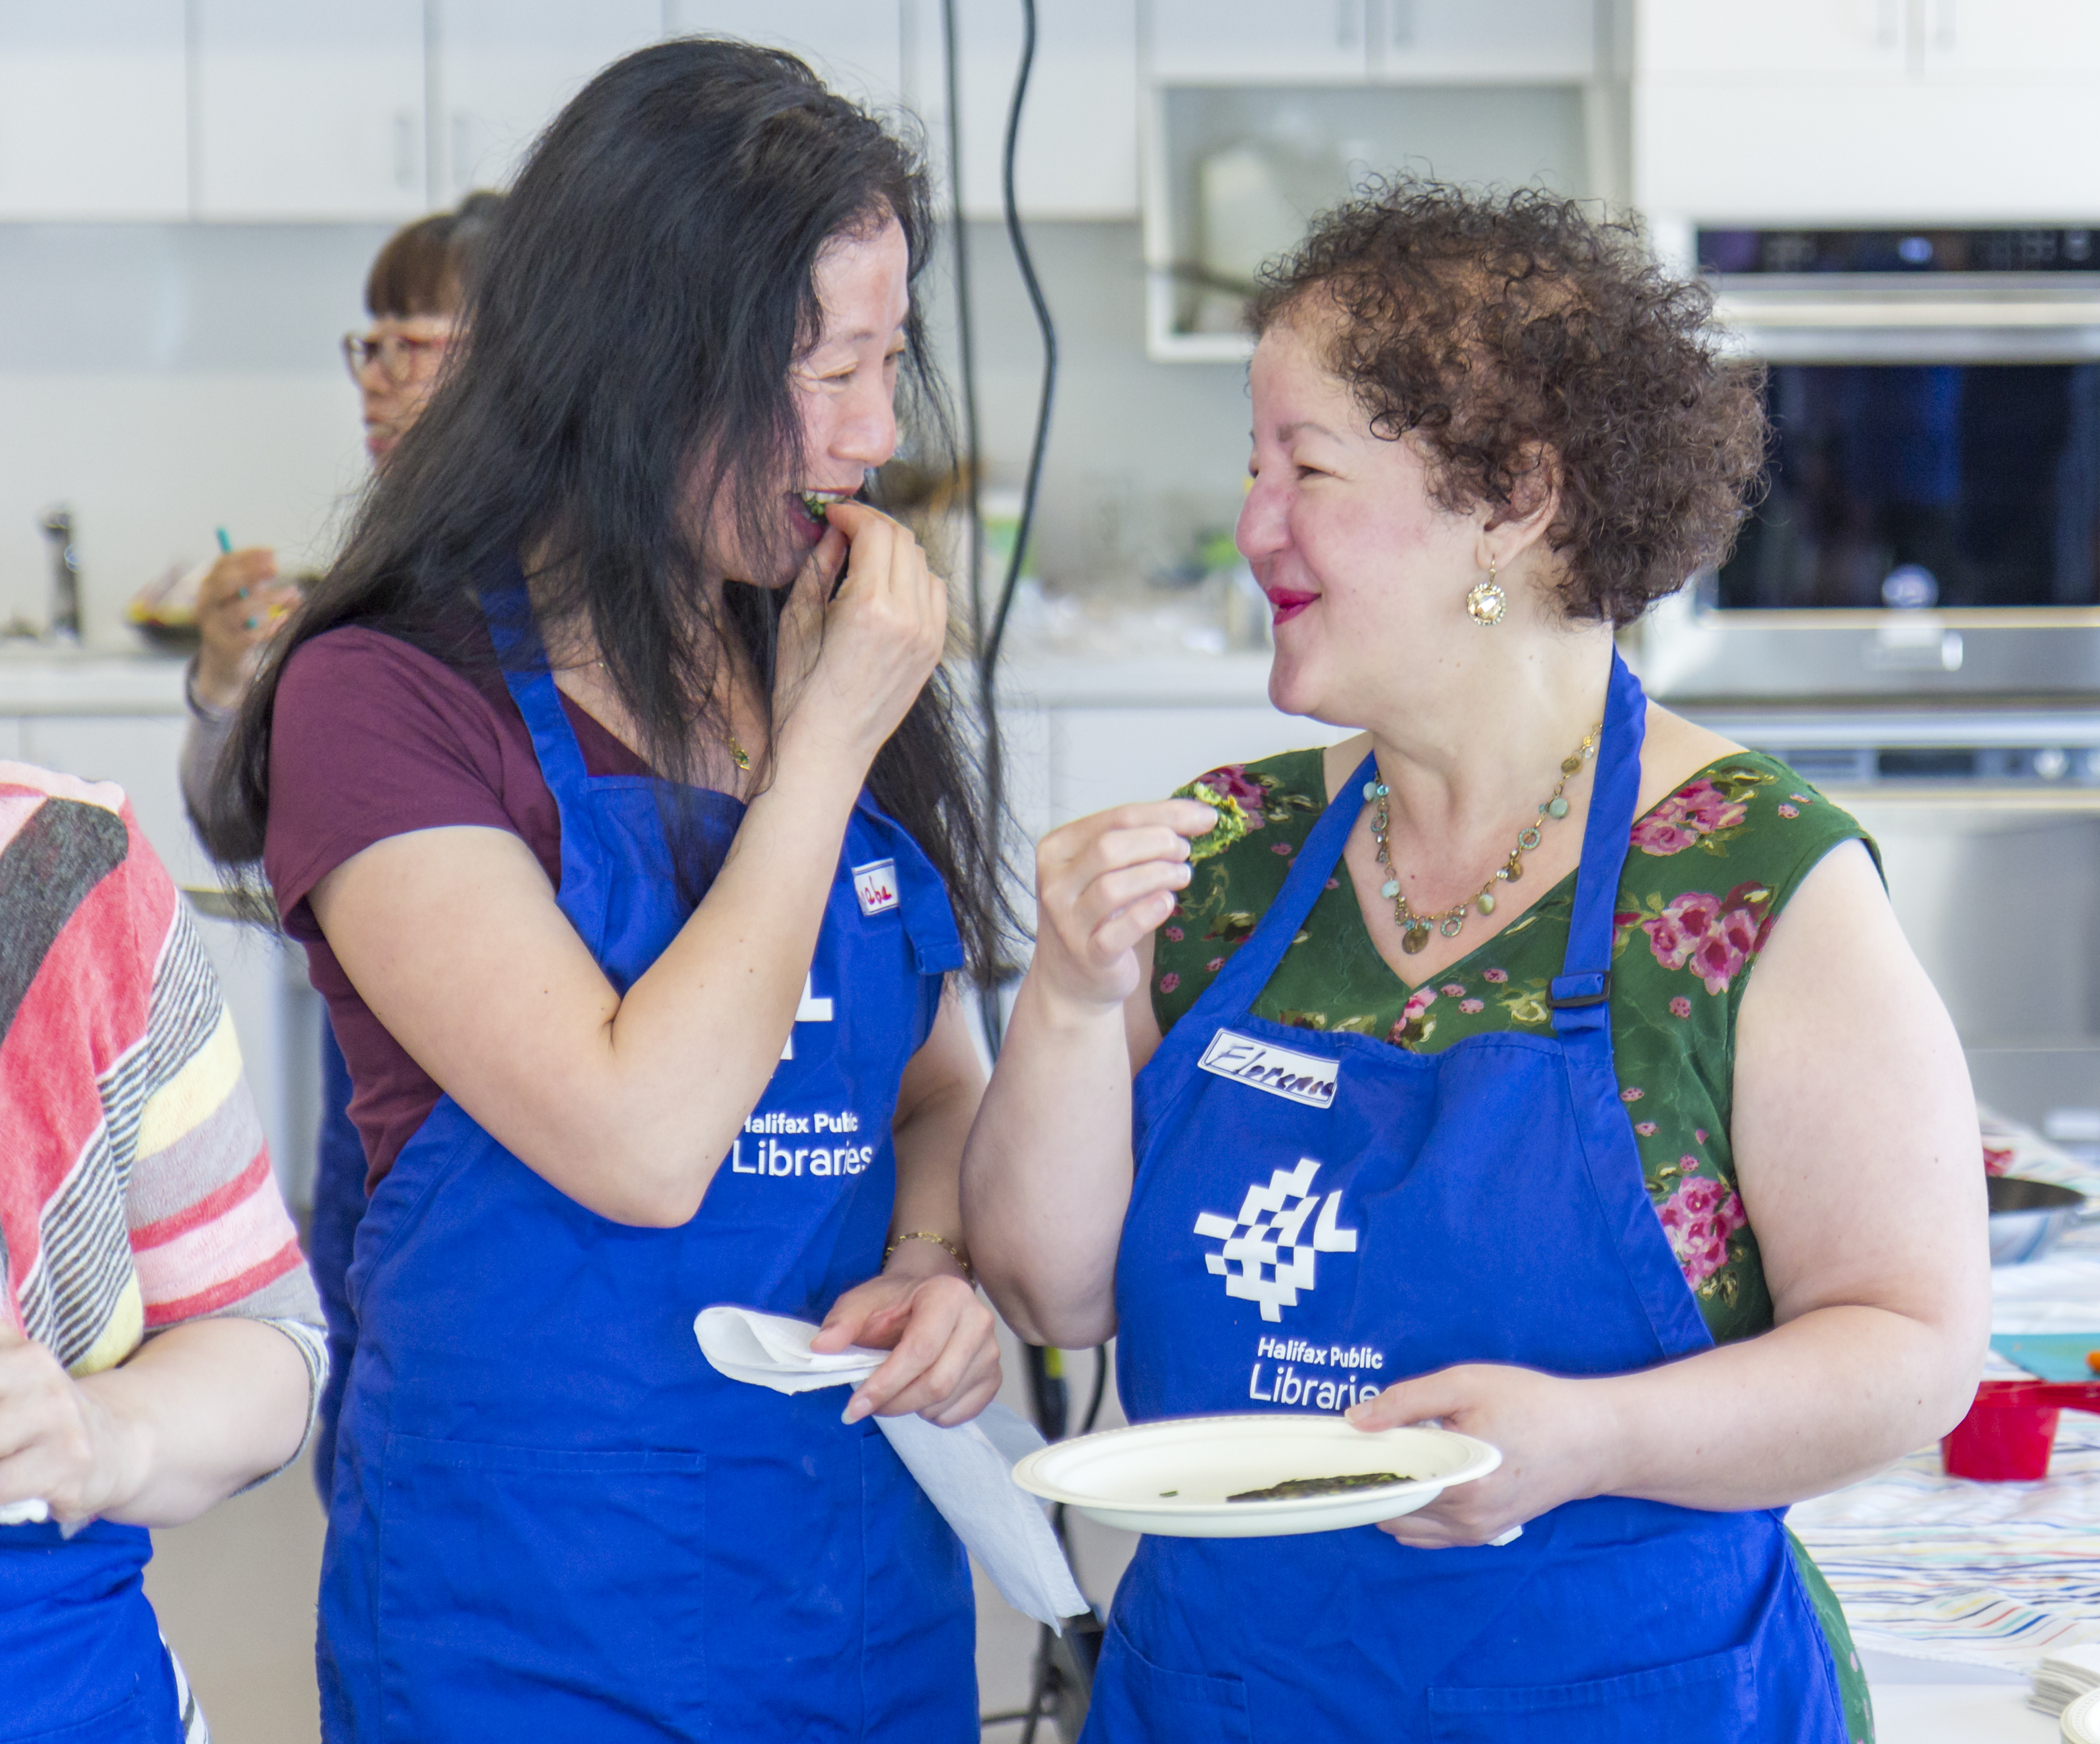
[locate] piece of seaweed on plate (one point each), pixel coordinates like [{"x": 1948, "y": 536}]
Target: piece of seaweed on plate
[{"x": 1298, "y": 1489}]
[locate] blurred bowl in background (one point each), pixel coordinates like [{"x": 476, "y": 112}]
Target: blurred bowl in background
[{"x": 2027, "y": 1217}]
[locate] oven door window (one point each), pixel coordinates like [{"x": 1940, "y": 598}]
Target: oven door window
[{"x": 1928, "y": 484}]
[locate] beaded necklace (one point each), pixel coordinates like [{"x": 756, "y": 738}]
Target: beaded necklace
[{"x": 1414, "y": 928}]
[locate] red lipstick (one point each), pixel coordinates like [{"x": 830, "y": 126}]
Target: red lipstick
[{"x": 1287, "y": 602}]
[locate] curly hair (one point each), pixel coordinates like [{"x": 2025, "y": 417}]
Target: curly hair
[{"x": 1529, "y": 345}]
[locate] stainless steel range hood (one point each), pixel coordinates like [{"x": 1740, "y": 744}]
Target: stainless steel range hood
[
  {"x": 1686, "y": 652},
  {"x": 1846, "y": 318}
]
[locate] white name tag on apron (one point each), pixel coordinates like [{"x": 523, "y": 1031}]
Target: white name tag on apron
[
  {"x": 875, "y": 887},
  {"x": 1261, "y": 1065}
]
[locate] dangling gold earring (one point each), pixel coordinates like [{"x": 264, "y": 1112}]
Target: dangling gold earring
[{"x": 1486, "y": 601}]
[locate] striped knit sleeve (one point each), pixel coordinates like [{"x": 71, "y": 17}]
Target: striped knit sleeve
[
  {"x": 209, "y": 1234},
  {"x": 135, "y": 1186}
]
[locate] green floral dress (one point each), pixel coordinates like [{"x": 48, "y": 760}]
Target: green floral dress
[{"x": 1710, "y": 868}]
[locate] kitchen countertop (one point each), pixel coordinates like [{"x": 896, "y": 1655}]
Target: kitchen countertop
[
  {"x": 1164, "y": 681},
  {"x": 37, "y": 678}
]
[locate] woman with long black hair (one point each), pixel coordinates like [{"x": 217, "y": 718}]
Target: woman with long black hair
[{"x": 610, "y": 780}]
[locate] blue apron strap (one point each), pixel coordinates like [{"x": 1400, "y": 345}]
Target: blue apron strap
[
  {"x": 1247, "y": 971},
  {"x": 508, "y": 608},
  {"x": 1581, "y": 994}
]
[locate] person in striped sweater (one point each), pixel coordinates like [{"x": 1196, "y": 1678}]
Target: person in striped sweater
[{"x": 162, "y": 1346}]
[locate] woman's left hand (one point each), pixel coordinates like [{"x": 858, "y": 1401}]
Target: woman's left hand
[
  {"x": 944, "y": 1361},
  {"x": 57, "y": 1442},
  {"x": 1554, "y": 1435}
]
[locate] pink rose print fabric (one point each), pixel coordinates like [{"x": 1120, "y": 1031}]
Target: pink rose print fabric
[
  {"x": 1692, "y": 817},
  {"x": 1713, "y": 936},
  {"x": 1698, "y": 1218}
]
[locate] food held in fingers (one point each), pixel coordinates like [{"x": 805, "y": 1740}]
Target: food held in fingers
[{"x": 1231, "y": 823}]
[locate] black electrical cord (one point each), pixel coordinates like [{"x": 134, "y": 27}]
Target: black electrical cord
[
  {"x": 1100, "y": 1388},
  {"x": 965, "y": 327},
  {"x": 991, "y": 636},
  {"x": 988, "y": 656}
]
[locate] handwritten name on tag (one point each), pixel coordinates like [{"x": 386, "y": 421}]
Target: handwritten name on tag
[
  {"x": 874, "y": 885},
  {"x": 1261, "y": 1065}
]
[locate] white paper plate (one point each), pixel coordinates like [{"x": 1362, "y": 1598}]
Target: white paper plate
[
  {"x": 2080, "y": 1722},
  {"x": 1172, "y": 1478}
]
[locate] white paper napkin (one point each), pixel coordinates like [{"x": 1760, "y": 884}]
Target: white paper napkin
[{"x": 966, "y": 1471}]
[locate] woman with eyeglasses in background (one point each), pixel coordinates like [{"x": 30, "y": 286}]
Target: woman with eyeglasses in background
[{"x": 414, "y": 292}]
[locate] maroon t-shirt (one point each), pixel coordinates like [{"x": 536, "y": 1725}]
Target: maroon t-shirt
[{"x": 372, "y": 738}]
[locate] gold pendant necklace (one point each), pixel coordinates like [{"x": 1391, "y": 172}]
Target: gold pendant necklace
[
  {"x": 1414, "y": 928},
  {"x": 738, "y": 755}
]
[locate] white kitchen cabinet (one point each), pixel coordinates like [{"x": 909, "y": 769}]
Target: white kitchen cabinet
[
  {"x": 1786, "y": 153},
  {"x": 11, "y": 749},
  {"x": 1487, "y": 42},
  {"x": 94, "y": 110},
  {"x": 1215, "y": 41},
  {"x": 1875, "y": 40},
  {"x": 1866, "y": 111},
  {"x": 308, "y": 110},
  {"x": 1795, "y": 39},
  {"x": 2046, "y": 39},
  {"x": 1481, "y": 41},
  {"x": 502, "y": 70},
  {"x": 1077, "y": 155},
  {"x": 857, "y": 45}
]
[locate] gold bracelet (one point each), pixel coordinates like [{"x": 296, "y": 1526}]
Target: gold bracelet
[{"x": 942, "y": 1241}]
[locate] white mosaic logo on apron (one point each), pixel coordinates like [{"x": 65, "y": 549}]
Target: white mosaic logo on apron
[
  {"x": 809, "y": 1010},
  {"x": 1264, "y": 1259}
]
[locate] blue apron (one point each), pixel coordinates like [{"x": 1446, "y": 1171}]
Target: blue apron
[
  {"x": 1318, "y": 1215},
  {"x": 551, "y": 1517},
  {"x": 81, "y": 1657}
]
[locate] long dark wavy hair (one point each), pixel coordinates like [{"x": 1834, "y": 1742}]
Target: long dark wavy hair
[{"x": 623, "y": 386}]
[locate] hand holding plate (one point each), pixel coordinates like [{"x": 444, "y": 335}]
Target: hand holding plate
[{"x": 1554, "y": 1434}]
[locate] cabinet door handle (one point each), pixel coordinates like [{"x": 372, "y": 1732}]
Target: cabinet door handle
[
  {"x": 404, "y": 147},
  {"x": 1348, "y": 27},
  {"x": 1402, "y": 34}
]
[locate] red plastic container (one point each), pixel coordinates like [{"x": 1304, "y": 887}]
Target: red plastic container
[{"x": 2006, "y": 1438}]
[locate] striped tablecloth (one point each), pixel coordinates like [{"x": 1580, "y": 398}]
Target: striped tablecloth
[{"x": 1996, "y": 1575}]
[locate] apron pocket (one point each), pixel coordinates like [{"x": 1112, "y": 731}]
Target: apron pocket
[
  {"x": 1135, "y": 1702},
  {"x": 1712, "y": 1698},
  {"x": 538, "y": 1592}
]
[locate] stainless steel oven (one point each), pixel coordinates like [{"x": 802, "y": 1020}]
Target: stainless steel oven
[
  {"x": 1911, "y": 618},
  {"x": 1988, "y": 822},
  {"x": 1930, "y": 520}
]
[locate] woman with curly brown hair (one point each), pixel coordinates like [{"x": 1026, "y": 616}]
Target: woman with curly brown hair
[{"x": 1459, "y": 1048}]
